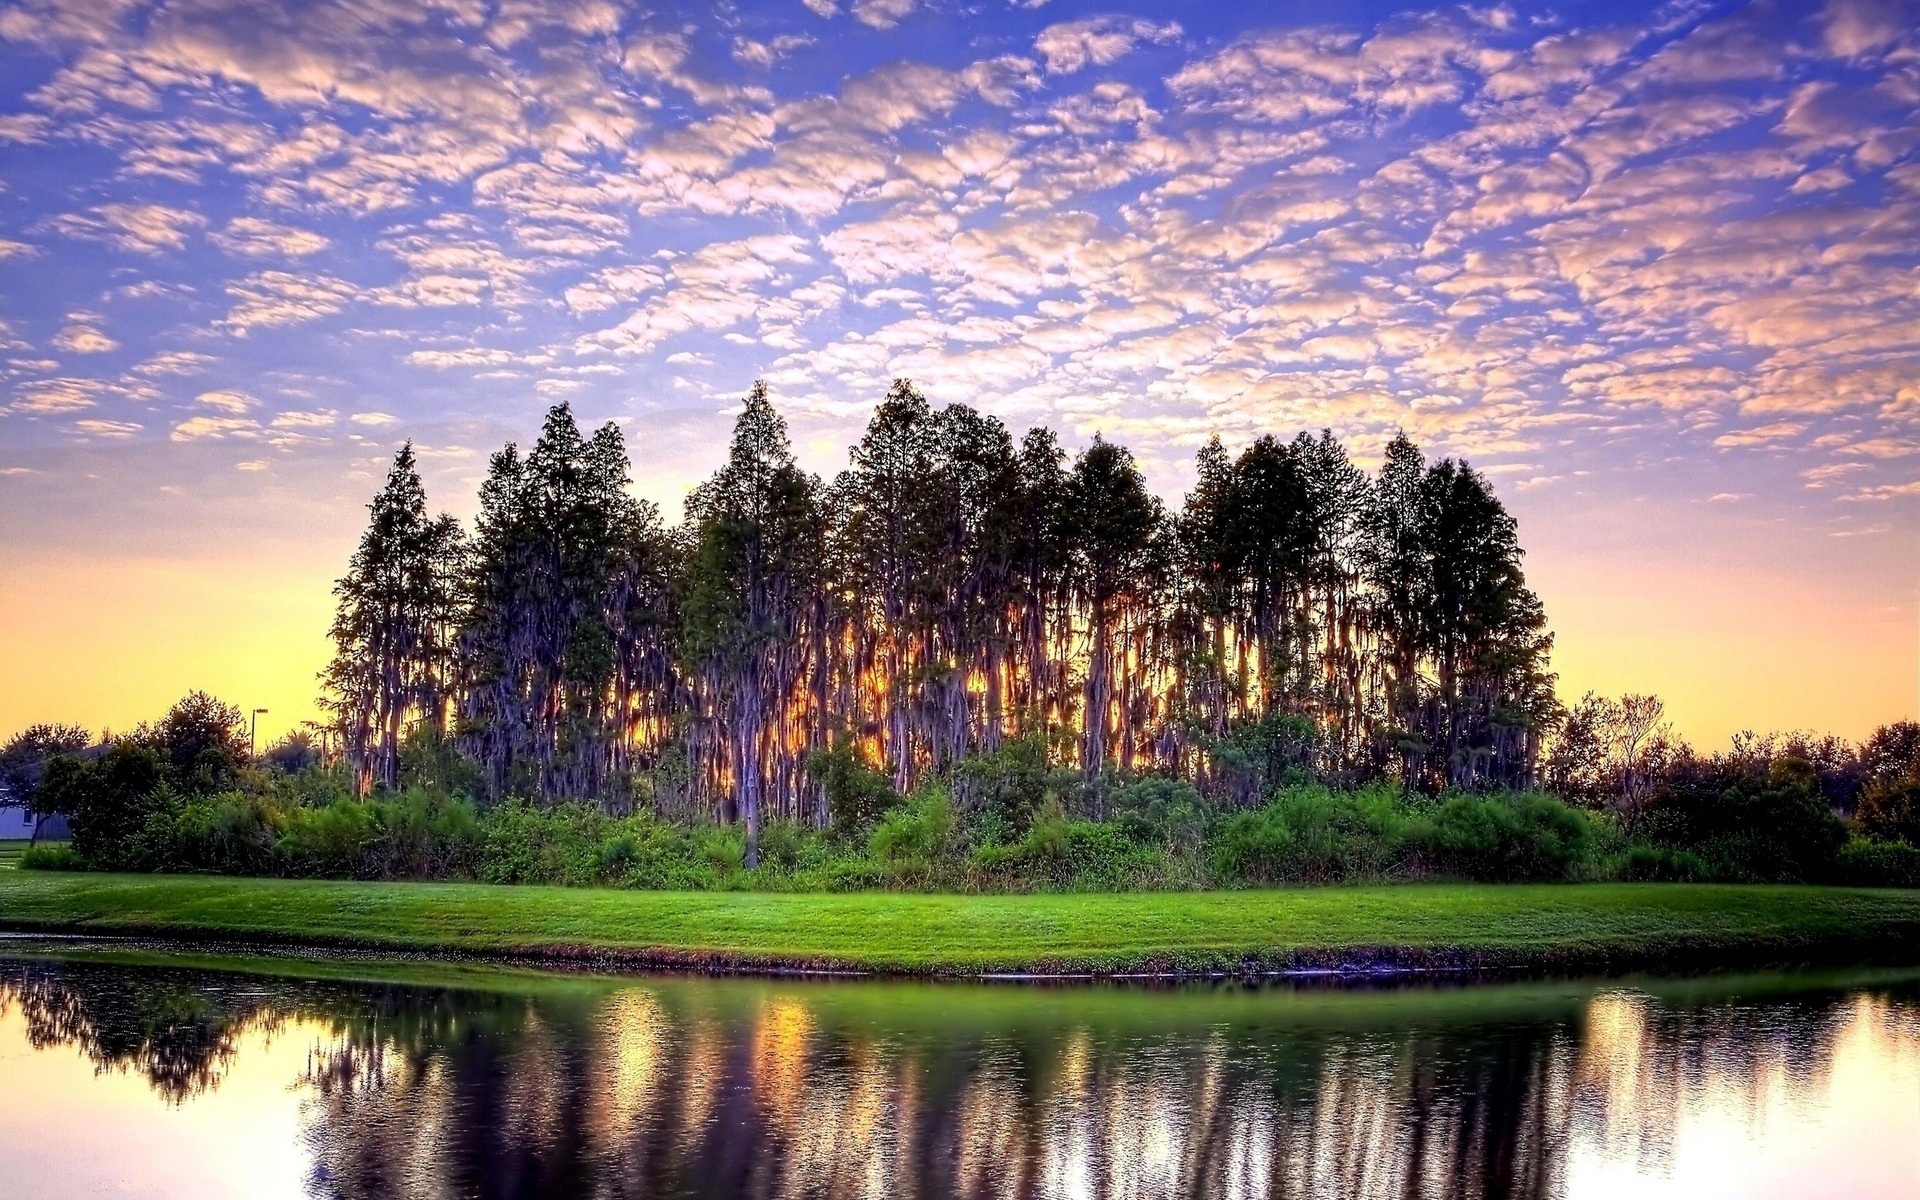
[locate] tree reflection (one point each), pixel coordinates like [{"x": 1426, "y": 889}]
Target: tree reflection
[{"x": 717, "y": 1089}]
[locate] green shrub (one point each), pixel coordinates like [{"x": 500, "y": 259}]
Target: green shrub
[
  {"x": 1775, "y": 828},
  {"x": 857, "y": 795},
  {"x": 1872, "y": 862},
  {"x": 1890, "y": 810},
  {"x": 1510, "y": 838},
  {"x": 1314, "y": 835},
  {"x": 912, "y": 838},
  {"x": 1155, "y": 809},
  {"x": 53, "y": 856},
  {"x": 1647, "y": 863},
  {"x": 1003, "y": 790},
  {"x": 331, "y": 842},
  {"x": 521, "y": 843}
]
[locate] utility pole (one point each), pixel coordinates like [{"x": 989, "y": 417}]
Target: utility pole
[{"x": 253, "y": 727}]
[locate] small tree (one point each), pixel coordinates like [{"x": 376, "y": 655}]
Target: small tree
[{"x": 23, "y": 764}]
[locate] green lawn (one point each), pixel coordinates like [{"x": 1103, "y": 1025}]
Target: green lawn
[
  {"x": 10, "y": 851},
  {"x": 1537, "y": 925}
]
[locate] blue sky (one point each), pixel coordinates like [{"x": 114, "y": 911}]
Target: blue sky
[{"x": 1655, "y": 268}]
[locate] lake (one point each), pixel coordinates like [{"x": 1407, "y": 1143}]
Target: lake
[{"x": 142, "y": 1071}]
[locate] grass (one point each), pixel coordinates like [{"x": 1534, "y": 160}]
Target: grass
[
  {"x": 10, "y": 851},
  {"x": 1413, "y": 924}
]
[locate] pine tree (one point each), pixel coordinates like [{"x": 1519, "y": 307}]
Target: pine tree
[
  {"x": 393, "y": 627},
  {"x": 748, "y": 591}
]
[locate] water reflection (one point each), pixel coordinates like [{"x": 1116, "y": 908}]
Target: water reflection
[{"x": 579, "y": 1087}]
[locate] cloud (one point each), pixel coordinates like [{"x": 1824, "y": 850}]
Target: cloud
[
  {"x": 765, "y": 54},
  {"x": 1096, "y": 41},
  {"x": 882, "y": 14},
  {"x": 257, "y": 238},
  {"x": 56, "y": 397},
  {"x": 174, "y": 362},
  {"x": 195, "y": 429},
  {"x": 1761, "y": 435},
  {"x": 142, "y": 228},
  {"x": 83, "y": 339},
  {"x": 1686, "y": 229},
  {"x": 274, "y": 298},
  {"x": 299, "y": 419},
  {"x": 96, "y": 427},
  {"x": 1859, "y": 27},
  {"x": 226, "y": 401},
  {"x": 1886, "y": 491}
]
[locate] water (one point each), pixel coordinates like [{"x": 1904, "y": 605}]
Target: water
[{"x": 143, "y": 1073}]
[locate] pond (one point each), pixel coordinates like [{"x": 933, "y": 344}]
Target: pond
[{"x": 144, "y": 1071}]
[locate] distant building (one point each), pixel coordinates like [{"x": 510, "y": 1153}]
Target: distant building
[{"x": 19, "y": 823}]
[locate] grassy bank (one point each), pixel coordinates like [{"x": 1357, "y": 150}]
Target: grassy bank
[{"x": 1584, "y": 925}]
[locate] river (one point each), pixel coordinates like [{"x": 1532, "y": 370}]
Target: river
[{"x": 150, "y": 1072}]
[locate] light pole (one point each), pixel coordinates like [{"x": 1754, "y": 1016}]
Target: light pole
[{"x": 253, "y": 726}]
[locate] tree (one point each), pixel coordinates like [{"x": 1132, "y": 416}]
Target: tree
[
  {"x": 891, "y": 509},
  {"x": 23, "y": 764},
  {"x": 952, "y": 591},
  {"x": 749, "y": 589},
  {"x": 1118, "y": 555},
  {"x": 202, "y": 743},
  {"x": 1892, "y": 753},
  {"x": 24, "y": 758},
  {"x": 565, "y": 655},
  {"x": 393, "y": 627}
]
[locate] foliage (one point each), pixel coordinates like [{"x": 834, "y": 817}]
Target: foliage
[
  {"x": 1876, "y": 863},
  {"x": 1005, "y": 820},
  {"x": 53, "y": 856},
  {"x": 1007, "y": 786},
  {"x": 953, "y": 593},
  {"x": 202, "y": 741},
  {"x": 1774, "y": 826},
  {"x": 24, "y": 757},
  {"x": 916, "y": 836},
  {"x": 1512, "y": 838},
  {"x": 1891, "y": 809},
  {"x": 1313, "y": 835},
  {"x": 857, "y": 796}
]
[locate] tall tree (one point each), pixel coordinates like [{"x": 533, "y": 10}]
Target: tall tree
[
  {"x": 749, "y": 588},
  {"x": 566, "y": 642},
  {"x": 393, "y": 627},
  {"x": 1118, "y": 561}
]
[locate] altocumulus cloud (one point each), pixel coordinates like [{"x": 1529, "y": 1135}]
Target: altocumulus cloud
[{"x": 1628, "y": 233}]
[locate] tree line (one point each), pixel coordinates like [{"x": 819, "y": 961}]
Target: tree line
[{"x": 952, "y": 589}]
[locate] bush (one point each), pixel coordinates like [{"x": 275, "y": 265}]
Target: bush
[
  {"x": 1871, "y": 862},
  {"x": 1645, "y": 863},
  {"x": 1891, "y": 811},
  {"x": 1006, "y": 788},
  {"x": 857, "y": 795},
  {"x": 520, "y": 843},
  {"x": 330, "y": 842},
  {"x": 1772, "y": 827},
  {"x": 1511, "y": 838},
  {"x": 55, "y": 856},
  {"x": 1157, "y": 809},
  {"x": 914, "y": 837},
  {"x": 1313, "y": 835}
]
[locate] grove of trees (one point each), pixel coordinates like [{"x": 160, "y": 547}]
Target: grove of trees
[{"x": 952, "y": 589}]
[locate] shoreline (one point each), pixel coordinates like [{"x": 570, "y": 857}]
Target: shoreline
[{"x": 1384, "y": 932}]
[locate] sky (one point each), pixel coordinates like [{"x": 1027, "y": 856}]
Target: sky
[{"x": 1654, "y": 268}]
